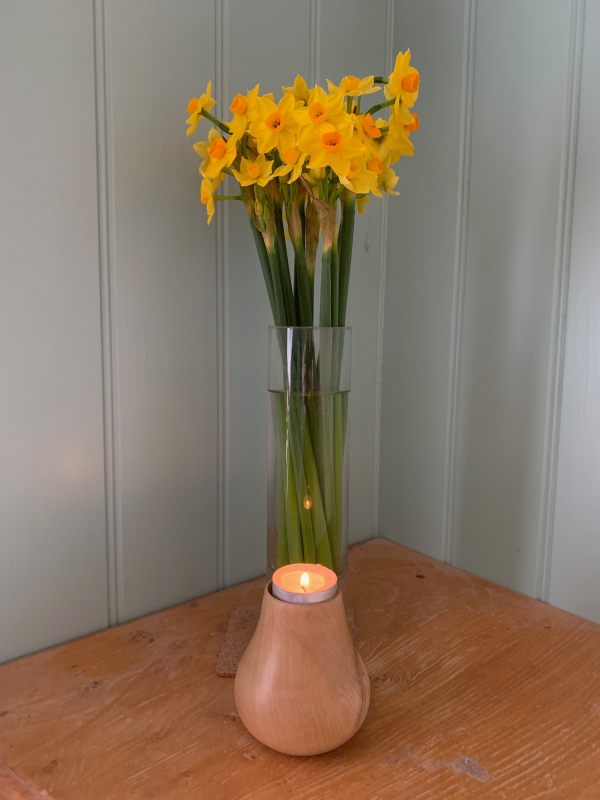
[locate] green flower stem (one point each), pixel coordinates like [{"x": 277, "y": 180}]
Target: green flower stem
[
  {"x": 280, "y": 315},
  {"x": 335, "y": 284},
  {"x": 289, "y": 539},
  {"x": 319, "y": 523},
  {"x": 265, "y": 266},
  {"x": 219, "y": 123},
  {"x": 345, "y": 237},
  {"x": 379, "y": 79},
  {"x": 325, "y": 306},
  {"x": 380, "y": 106},
  {"x": 284, "y": 267}
]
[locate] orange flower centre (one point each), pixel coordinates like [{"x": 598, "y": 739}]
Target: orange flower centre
[
  {"x": 275, "y": 121},
  {"x": 351, "y": 82},
  {"x": 317, "y": 113},
  {"x": 204, "y": 196},
  {"x": 192, "y": 105},
  {"x": 291, "y": 155},
  {"x": 332, "y": 141},
  {"x": 410, "y": 82},
  {"x": 217, "y": 148},
  {"x": 253, "y": 169},
  {"x": 375, "y": 165},
  {"x": 370, "y": 128},
  {"x": 414, "y": 125},
  {"x": 239, "y": 105}
]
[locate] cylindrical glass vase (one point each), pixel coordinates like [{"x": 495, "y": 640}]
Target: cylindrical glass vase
[{"x": 309, "y": 383}]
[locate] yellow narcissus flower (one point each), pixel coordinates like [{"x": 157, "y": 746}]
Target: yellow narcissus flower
[
  {"x": 293, "y": 161},
  {"x": 361, "y": 202},
  {"x": 207, "y": 189},
  {"x": 299, "y": 90},
  {"x": 329, "y": 146},
  {"x": 397, "y": 142},
  {"x": 360, "y": 179},
  {"x": 275, "y": 125},
  {"x": 371, "y": 127},
  {"x": 254, "y": 171},
  {"x": 196, "y": 106},
  {"x": 322, "y": 107},
  {"x": 404, "y": 81},
  {"x": 386, "y": 178},
  {"x": 354, "y": 87},
  {"x": 244, "y": 109},
  {"x": 217, "y": 153},
  {"x": 369, "y": 131}
]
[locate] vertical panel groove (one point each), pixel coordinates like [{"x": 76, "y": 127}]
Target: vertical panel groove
[
  {"x": 389, "y": 56},
  {"x": 222, "y": 280},
  {"x": 106, "y": 318},
  {"x": 460, "y": 265},
  {"x": 314, "y": 22},
  {"x": 564, "y": 229}
]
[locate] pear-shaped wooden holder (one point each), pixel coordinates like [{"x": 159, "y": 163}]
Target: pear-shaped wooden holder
[{"x": 301, "y": 687}]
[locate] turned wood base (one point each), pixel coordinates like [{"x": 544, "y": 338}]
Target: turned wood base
[{"x": 301, "y": 687}]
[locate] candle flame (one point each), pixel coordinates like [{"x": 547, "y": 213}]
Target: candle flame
[
  {"x": 307, "y": 502},
  {"x": 304, "y": 581}
]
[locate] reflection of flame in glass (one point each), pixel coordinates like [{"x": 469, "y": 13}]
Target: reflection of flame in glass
[
  {"x": 307, "y": 502},
  {"x": 305, "y": 580}
]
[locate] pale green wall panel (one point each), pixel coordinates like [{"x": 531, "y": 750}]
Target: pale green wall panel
[
  {"x": 521, "y": 71},
  {"x": 163, "y": 277},
  {"x": 420, "y": 280},
  {"x": 53, "y": 582},
  {"x": 575, "y": 562}
]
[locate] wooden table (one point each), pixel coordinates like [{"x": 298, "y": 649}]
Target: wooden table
[{"x": 476, "y": 692}]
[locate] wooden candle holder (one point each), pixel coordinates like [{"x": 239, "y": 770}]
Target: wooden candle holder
[{"x": 301, "y": 687}]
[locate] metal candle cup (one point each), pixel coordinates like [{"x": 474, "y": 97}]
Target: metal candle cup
[{"x": 304, "y": 583}]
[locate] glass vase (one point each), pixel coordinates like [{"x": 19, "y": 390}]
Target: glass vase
[{"x": 309, "y": 384}]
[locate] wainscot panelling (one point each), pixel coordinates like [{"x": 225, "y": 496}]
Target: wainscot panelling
[
  {"x": 162, "y": 272},
  {"x": 53, "y": 581},
  {"x": 506, "y": 356},
  {"x": 421, "y": 270},
  {"x": 576, "y": 546}
]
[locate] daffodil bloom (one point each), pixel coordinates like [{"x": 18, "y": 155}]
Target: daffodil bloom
[
  {"x": 385, "y": 176},
  {"x": 361, "y": 202},
  {"x": 217, "y": 153},
  {"x": 415, "y": 124},
  {"x": 323, "y": 107},
  {"x": 352, "y": 86},
  {"x": 251, "y": 171},
  {"x": 207, "y": 189},
  {"x": 275, "y": 125},
  {"x": 397, "y": 142},
  {"x": 293, "y": 161},
  {"x": 196, "y": 106},
  {"x": 244, "y": 109},
  {"x": 299, "y": 90},
  {"x": 359, "y": 178},
  {"x": 329, "y": 146},
  {"x": 403, "y": 81},
  {"x": 371, "y": 127}
]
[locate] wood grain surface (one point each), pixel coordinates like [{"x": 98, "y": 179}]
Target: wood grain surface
[
  {"x": 301, "y": 687},
  {"x": 477, "y": 692}
]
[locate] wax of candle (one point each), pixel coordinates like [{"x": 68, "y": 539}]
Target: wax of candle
[{"x": 304, "y": 583}]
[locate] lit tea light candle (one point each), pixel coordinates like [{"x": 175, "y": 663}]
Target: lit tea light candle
[{"x": 304, "y": 583}]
